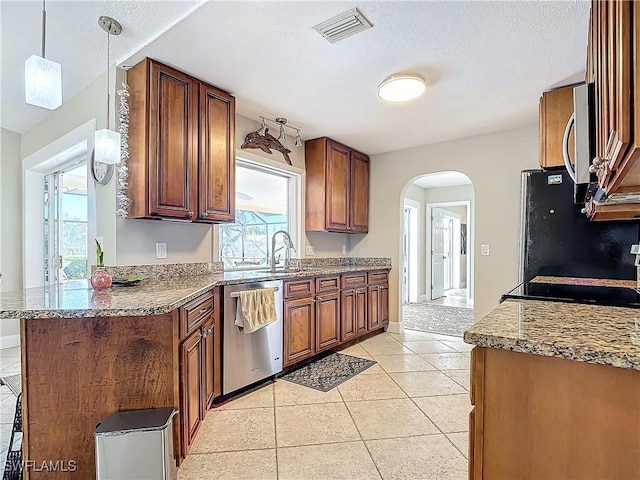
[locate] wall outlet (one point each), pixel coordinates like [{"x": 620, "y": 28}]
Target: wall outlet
[
  {"x": 161, "y": 250},
  {"x": 309, "y": 250},
  {"x": 485, "y": 250},
  {"x": 344, "y": 249}
]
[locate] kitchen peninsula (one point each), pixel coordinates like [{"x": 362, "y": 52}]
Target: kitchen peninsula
[
  {"x": 86, "y": 354},
  {"x": 556, "y": 389}
]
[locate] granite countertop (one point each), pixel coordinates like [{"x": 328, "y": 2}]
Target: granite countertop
[
  {"x": 586, "y": 333},
  {"x": 151, "y": 297}
]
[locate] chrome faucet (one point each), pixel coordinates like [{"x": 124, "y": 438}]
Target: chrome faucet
[{"x": 288, "y": 246}]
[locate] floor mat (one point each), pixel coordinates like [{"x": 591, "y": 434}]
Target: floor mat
[
  {"x": 328, "y": 372},
  {"x": 441, "y": 319}
]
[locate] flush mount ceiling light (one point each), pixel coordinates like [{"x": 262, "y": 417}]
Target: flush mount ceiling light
[
  {"x": 42, "y": 77},
  {"x": 107, "y": 142},
  {"x": 401, "y": 88}
]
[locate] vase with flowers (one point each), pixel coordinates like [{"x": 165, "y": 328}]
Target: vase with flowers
[{"x": 100, "y": 277}]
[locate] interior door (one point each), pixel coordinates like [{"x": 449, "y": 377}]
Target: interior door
[{"x": 437, "y": 253}]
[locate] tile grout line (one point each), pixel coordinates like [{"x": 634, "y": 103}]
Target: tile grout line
[
  {"x": 360, "y": 435},
  {"x": 275, "y": 430}
]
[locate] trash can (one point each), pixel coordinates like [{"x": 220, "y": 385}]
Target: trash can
[{"x": 136, "y": 445}]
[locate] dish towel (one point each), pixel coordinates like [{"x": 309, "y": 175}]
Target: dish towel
[{"x": 256, "y": 309}]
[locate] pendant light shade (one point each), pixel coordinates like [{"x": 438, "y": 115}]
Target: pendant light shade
[
  {"x": 43, "y": 82},
  {"x": 107, "y": 146},
  {"x": 107, "y": 142},
  {"x": 42, "y": 77}
]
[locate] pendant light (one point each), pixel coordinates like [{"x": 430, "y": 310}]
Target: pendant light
[
  {"x": 107, "y": 142},
  {"x": 282, "y": 121},
  {"x": 42, "y": 77}
]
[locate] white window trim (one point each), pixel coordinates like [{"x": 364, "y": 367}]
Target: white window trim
[
  {"x": 296, "y": 192},
  {"x": 34, "y": 168}
]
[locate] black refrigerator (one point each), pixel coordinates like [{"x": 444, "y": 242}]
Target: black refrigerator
[{"x": 559, "y": 240}]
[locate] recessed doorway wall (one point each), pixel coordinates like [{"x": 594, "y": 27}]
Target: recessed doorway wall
[{"x": 443, "y": 263}]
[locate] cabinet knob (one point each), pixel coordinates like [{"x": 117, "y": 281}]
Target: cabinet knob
[
  {"x": 190, "y": 214},
  {"x": 596, "y": 161},
  {"x": 204, "y": 214},
  {"x": 583, "y": 210}
]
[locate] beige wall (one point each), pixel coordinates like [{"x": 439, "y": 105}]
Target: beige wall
[
  {"x": 493, "y": 163},
  {"x": 10, "y": 220}
]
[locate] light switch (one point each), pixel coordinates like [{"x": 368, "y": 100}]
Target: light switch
[
  {"x": 485, "y": 249},
  {"x": 309, "y": 250},
  {"x": 344, "y": 249},
  {"x": 161, "y": 250}
]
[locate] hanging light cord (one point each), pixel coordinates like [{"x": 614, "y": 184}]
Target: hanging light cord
[
  {"x": 44, "y": 28},
  {"x": 108, "y": 72}
]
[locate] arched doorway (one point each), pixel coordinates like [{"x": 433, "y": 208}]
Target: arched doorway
[{"x": 436, "y": 271}]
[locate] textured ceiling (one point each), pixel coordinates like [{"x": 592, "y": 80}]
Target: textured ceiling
[
  {"x": 486, "y": 63},
  {"x": 74, "y": 40}
]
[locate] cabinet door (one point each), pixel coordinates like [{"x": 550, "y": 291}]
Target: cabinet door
[
  {"x": 556, "y": 107},
  {"x": 217, "y": 155},
  {"x": 348, "y": 316},
  {"x": 173, "y": 130},
  {"x": 373, "y": 312},
  {"x": 190, "y": 389},
  {"x": 359, "y": 201},
  {"x": 299, "y": 329},
  {"x": 327, "y": 321},
  {"x": 361, "y": 311},
  {"x": 383, "y": 307},
  {"x": 209, "y": 364},
  {"x": 337, "y": 188}
]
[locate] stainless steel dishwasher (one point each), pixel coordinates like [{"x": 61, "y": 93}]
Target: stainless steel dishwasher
[{"x": 250, "y": 357}]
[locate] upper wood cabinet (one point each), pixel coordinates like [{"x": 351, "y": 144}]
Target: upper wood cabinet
[
  {"x": 182, "y": 146},
  {"x": 556, "y": 107},
  {"x": 613, "y": 64},
  {"x": 337, "y": 190}
]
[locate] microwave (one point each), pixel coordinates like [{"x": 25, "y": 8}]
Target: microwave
[{"x": 582, "y": 121}]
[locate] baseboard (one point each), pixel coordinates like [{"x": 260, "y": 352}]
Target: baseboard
[
  {"x": 9, "y": 341},
  {"x": 395, "y": 327}
]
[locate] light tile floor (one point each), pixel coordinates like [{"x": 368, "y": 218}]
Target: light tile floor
[
  {"x": 404, "y": 418},
  {"x": 9, "y": 365}
]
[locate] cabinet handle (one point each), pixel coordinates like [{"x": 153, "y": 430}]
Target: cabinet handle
[
  {"x": 190, "y": 214},
  {"x": 206, "y": 332}
]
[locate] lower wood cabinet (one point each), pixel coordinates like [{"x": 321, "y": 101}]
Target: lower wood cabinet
[
  {"x": 327, "y": 320},
  {"x": 545, "y": 417},
  {"x": 200, "y": 366},
  {"x": 313, "y": 324},
  {"x": 299, "y": 329}
]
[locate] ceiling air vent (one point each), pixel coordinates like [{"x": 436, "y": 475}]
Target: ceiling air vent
[{"x": 343, "y": 25}]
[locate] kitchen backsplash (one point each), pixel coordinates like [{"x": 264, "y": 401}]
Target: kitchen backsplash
[
  {"x": 168, "y": 270},
  {"x": 163, "y": 271}
]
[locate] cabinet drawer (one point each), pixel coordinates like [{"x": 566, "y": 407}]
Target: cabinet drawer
[
  {"x": 378, "y": 277},
  {"x": 327, "y": 284},
  {"x": 194, "y": 312},
  {"x": 299, "y": 288},
  {"x": 354, "y": 280}
]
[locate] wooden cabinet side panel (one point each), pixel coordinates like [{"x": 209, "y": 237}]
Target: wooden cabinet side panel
[
  {"x": 547, "y": 417},
  {"x": 557, "y": 107},
  {"x": 327, "y": 321},
  {"x": 337, "y": 187},
  {"x": 138, "y": 180},
  {"x": 315, "y": 153},
  {"x": 359, "y": 203},
  {"x": 76, "y": 372},
  {"x": 383, "y": 307},
  {"x": 173, "y": 130},
  {"x": 299, "y": 330},
  {"x": 217, "y": 155},
  {"x": 208, "y": 365},
  {"x": 217, "y": 342}
]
